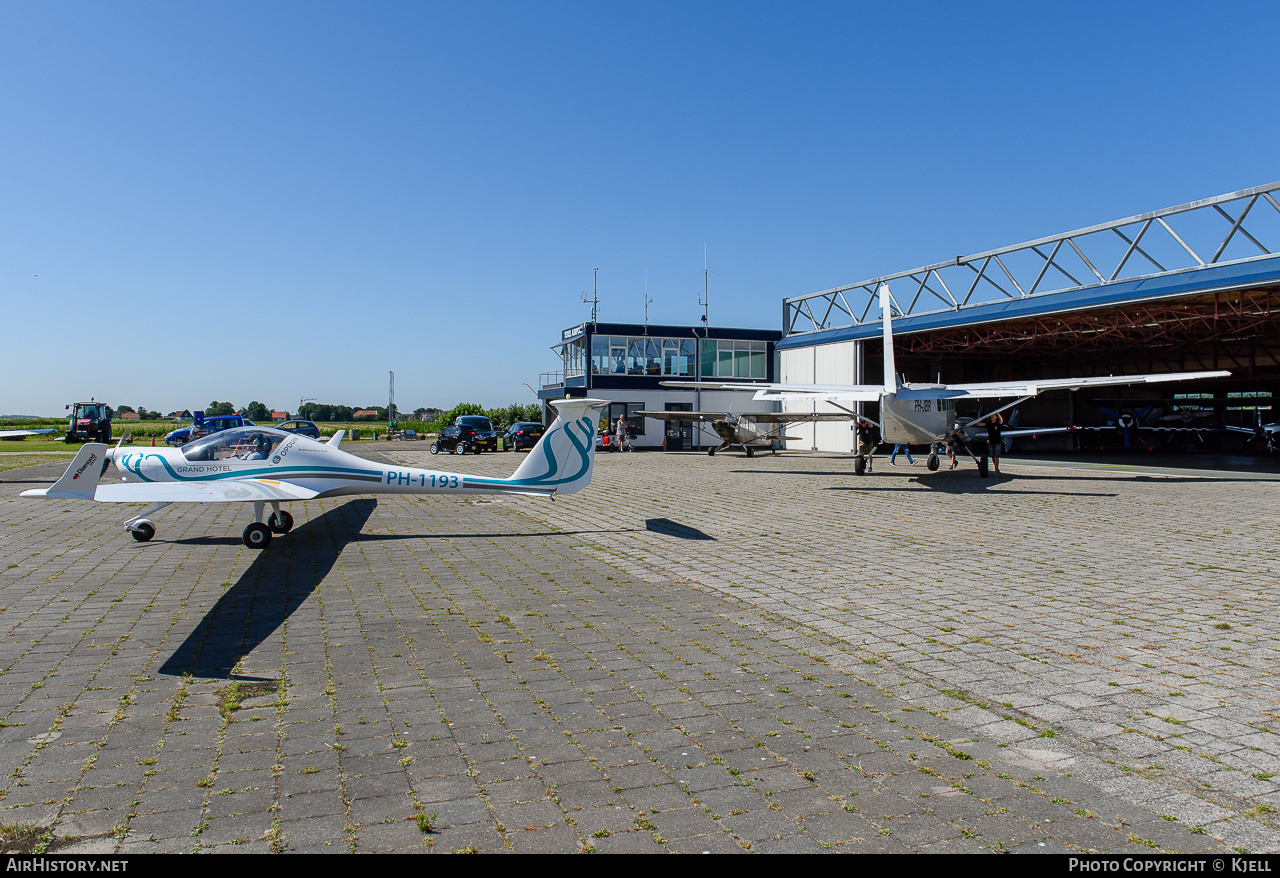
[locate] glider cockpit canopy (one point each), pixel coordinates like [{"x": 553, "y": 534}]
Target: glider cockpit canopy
[{"x": 240, "y": 443}]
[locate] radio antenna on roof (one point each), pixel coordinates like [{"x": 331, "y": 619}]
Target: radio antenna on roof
[{"x": 705, "y": 299}]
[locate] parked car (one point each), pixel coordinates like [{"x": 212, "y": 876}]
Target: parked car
[
  {"x": 472, "y": 433},
  {"x": 215, "y": 424},
  {"x": 302, "y": 428},
  {"x": 522, "y": 435}
]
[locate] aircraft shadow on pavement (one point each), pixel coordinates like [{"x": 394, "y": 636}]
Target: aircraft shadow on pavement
[
  {"x": 278, "y": 581},
  {"x": 675, "y": 529},
  {"x": 506, "y": 535},
  {"x": 944, "y": 483}
]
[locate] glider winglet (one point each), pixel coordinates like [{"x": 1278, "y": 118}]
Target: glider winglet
[{"x": 336, "y": 439}]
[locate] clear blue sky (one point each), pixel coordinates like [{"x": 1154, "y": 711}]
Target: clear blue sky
[{"x": 241, "y": 201}]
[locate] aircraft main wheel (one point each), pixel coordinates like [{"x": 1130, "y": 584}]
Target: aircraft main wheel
[
  {"x": 982, "y": 467},
  {"x": 933, "y": 462},
  {"x": 257, "y": 536},
  {"x": 751, "y": 452},
  {"x": 434, "y": 449},
  {"x": 859, "y": 465},
  {"x": 282, "y": 525},
  {"x": 143, "y": 531},
  {"x": 711, "y": 452}
]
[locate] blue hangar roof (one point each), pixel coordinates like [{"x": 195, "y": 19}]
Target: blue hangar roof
[{"x": 1191, "y": 282}]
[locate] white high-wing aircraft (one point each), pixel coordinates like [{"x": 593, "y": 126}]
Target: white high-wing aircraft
[
  {"x": 925, "y": 414},
  {"x": 743, "y": 429},
  {"x": 261, "y": 465}
]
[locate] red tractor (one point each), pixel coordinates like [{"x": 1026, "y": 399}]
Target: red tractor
[{"x": 90, "y": 422}]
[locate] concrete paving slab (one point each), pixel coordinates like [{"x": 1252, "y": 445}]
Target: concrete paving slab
[{"x": 473, "y": 659}]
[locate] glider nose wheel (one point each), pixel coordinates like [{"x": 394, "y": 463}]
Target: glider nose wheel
[
  {"x": 142, "y": 531},
  {"x": 280, "y": 523},
  {"x": 257, "y": 536}
]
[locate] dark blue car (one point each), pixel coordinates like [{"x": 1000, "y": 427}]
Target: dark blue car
[{"x": 215, "y": 424}]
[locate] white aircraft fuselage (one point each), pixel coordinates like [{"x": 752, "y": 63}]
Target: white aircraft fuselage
[{"x": 916, "y": 418}]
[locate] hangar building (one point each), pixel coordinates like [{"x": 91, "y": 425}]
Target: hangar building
[
  {"x": 626, "y": 363},
  {"x": 1187, "y": 288}
]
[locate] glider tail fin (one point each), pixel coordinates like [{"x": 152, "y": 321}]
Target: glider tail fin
[
  {"x": 890, "y": 369},
  {"x": 563, "y": 459},
  {"x": 80, "y": 481}
]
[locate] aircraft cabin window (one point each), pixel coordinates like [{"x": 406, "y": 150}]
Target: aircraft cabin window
[{"x": 244, "y": 444}]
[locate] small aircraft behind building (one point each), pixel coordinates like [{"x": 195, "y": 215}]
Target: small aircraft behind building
[
  {"x": 924, "y": 414},
  {"x": 748, "y": 430},
  {"x": 261, "y": 465}
]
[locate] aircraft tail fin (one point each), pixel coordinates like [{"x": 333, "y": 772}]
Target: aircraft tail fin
[
  {"x": 80, "y": 481},
  {"x": 890, "y": 369},
  {"x": 336, "y": 439},
  {"x": 563, "y": 459}
]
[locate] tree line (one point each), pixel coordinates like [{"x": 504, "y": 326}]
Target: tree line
[{"x": 432, "y": 420}]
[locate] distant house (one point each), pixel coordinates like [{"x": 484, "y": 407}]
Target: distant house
[
  {"x": 129, "y": 416},
  {"x": 279, "y": 416},
  {"x": 364, "y": 415}
]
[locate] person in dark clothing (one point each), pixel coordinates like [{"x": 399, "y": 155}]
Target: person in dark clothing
[
  {"x": 868, "y": 438},
  {"x": 995, "y": 444}
]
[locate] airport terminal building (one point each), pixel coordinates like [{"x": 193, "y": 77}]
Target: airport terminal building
[{"x": 628, "y": 363}]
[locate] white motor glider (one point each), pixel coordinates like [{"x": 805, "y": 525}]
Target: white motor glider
[
  {"x": 925, "y": 414},
  {"x": 263, "y": 466}
]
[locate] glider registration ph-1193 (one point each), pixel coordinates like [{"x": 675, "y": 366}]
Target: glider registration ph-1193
[{"x": 262, "y": 466}]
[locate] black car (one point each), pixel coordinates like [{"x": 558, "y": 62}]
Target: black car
[
  {"x": 302, "y": 428},
  {"x": 472, "y": 433},
  {"x": 522, "y": 435}
]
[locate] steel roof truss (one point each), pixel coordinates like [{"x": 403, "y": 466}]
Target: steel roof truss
[
  {"x": 1013, "y": 280},
  {"x": 1185, "y": 246},
  {"x": 1235, "y": 226},
  {"x": 1133, "y": 245},
  {"x": 982, "y": 276}
]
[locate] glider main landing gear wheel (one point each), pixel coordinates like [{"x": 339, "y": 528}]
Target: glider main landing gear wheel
[
  {"x": 282, "y": 524},
  {"x": 859, "y": 465},
  {"x": 257, "y": 536},
  {"x": 434, "y": 448},
  {"x": 142, "y": 531},
  {"x": 933, "y": 462}
]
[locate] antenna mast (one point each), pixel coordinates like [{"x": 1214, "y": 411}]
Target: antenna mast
[
  {"x": 647, "y": 300},
  {"x": 393, "y": 422},
  {"x": 705, "y": 299},
  {"x": 595, "y": 298}
]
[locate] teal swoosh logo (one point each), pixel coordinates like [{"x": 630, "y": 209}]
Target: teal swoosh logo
[
  {"x": 581, "y": 444},
  {"x": 133, "y": 463}
]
